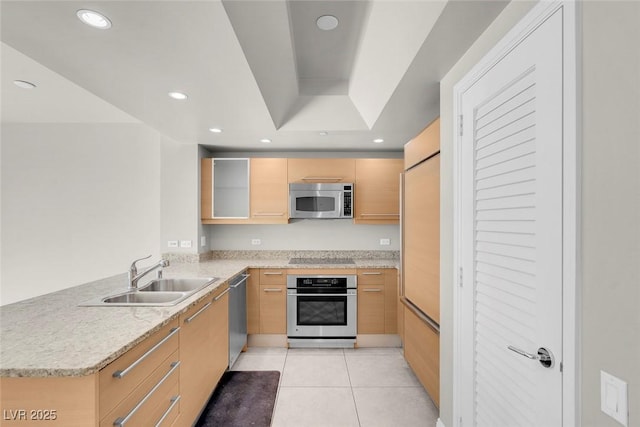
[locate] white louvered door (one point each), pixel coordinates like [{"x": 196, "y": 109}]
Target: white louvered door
[{"x": 511, "y": 236}]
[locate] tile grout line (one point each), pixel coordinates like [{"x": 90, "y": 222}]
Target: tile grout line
[
  {"x": 355, "y": 406},
  {"x": 275, "y": 405}
]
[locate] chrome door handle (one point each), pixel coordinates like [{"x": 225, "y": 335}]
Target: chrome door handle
[{"x": 544, "y": 356}]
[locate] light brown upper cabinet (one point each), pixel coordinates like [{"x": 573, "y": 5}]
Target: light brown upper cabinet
[
  {"x": 269, "y": 191},
  {"x": 377, "y": 191},
  {"x": 425, "y": 145},
  {"x": 224, "y": 188},
  {"x": 322, "y": 170},
  {"x": 421, "y": 223},
  {"x": 244, "y": 191}
]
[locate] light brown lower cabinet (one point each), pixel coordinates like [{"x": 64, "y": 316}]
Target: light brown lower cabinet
[
  {"x": 273, "y": 301},
  {"x": 253, "y": 301},
  {"x": 377, "y": 301},
  {"x": 273, "y": 309},
  {"x": 422, "y": 352},
  {"x": 204, "y": 352},
  {"x": 166, "y": 379}
]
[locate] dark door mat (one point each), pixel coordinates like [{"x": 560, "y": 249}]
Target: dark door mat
[{"x": 242, "y": 398}]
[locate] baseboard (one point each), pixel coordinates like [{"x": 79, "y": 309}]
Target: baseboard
[
  {"x": 267, "y": 340},
  {"x": 439, "y": 423},
  {"x": 378, "y": 340}
]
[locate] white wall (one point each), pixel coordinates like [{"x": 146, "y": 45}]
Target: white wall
[
  {"x": 610, "y": 204},
  {"x": 79, "y": 202},
  {"x": 180, "y": 184},
  {"x": 610, "y": 207},
  {"x": 329, "y": 234}
]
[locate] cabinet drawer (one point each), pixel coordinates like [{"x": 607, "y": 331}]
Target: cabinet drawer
[
  {"x": 148, "y": 402},
  {"x": 371, "y": 276},
  {"x": 133, "y": 367},
  {"x": 273, "y": 276}
]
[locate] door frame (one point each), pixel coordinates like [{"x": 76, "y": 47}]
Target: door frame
[{"x": 570, "y": 204}]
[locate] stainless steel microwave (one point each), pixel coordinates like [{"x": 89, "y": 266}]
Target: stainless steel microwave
[{"x": 321, "y": 200}]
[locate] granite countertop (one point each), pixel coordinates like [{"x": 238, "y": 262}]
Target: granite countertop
[{"x": 51, "y": 335}]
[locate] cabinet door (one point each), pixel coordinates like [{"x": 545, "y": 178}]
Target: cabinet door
[
  {"x": 322, "y": 170},
  {"x": 422, "y": 351},
  {"x": 253, "y": 302},
  {"x": 377, "y": 191},
  {"x": 269, "y": 191},
  {"x": 273, "y": 309},
  {"x": 224, "y": 190},
  {"x": 197, "y": 371},
  {"x": 424, "y": 145},
  {"x": 371, "y": 309},
  {"x": 421, "y": 237},
  {"x": 391, "y": 299},
  {"x": 220, "y": 341}
]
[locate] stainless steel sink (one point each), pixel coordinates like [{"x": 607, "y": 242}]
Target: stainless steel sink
[
  {"x": 146, "y": 298},
  {"x": 156, "y": 293},
  {"x": 177, "y": 285}
]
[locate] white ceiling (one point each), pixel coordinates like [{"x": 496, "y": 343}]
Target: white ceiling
[{"x": 257, "y": 69}]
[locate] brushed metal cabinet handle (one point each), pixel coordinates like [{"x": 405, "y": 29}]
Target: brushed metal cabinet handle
[
  {"x": 198, "y": 313},
  {"x": 272, "y": 290},
  {"x": 322, "y": 178},
  {"x": 122, "y": 373},
  {"x": 221, "y": 295},
  {"x": 174, "y": 401},
  {"x": 121, "y": 421}
]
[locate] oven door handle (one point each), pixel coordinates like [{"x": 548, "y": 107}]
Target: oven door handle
[{"x": 321, "y": 295}]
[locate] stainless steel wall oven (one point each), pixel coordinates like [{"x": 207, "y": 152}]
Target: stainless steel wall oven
[{"x": 321, "y": 310}]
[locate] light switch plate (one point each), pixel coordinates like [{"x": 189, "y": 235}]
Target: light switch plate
[
  {"x": 172, "y": 244},
  {"x": 203, "y": 240},
  {"x": 613, "y": 398},
  {"x": 185, "y": 243}
]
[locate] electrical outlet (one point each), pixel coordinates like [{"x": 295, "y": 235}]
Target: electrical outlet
[
  {"x": 203, "y": 240},
  {"x": 256, "y": 242},
  {"x": 172, "y": 244},
  {"x": 385, "y": 242},
  {"x": 185, "y": 243}
]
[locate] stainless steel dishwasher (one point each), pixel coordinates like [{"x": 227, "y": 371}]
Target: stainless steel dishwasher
[{"x": 237, "y": 316}]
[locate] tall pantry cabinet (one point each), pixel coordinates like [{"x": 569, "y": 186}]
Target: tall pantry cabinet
[{"x": 420, "y": 288}]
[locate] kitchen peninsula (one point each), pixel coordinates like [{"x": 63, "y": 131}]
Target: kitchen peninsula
[{"x": 54, "y": 346}]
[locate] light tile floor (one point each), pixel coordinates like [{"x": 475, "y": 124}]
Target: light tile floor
[{"x": 365, "y": 387}]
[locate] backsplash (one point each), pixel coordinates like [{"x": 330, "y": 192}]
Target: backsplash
[
  {"x": 278, "y": 254},
  {"x": 267, "y": 254}
]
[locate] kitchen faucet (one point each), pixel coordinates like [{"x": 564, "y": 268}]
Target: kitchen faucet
[{"x": 134, "y": 276}]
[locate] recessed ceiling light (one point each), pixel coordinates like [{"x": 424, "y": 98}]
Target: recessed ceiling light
[
  {"x": 378, "y": 140},
  {"x": 323, "y": 133},
  {"x": 94, "y": 19},
  {"x": 265, "y": 141},
  {"x": 178, "y": 95},
  {"x": 215, "y": 130},
  {"x": 327, "y": 22},
  {"x": 24, "y": 84}
]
